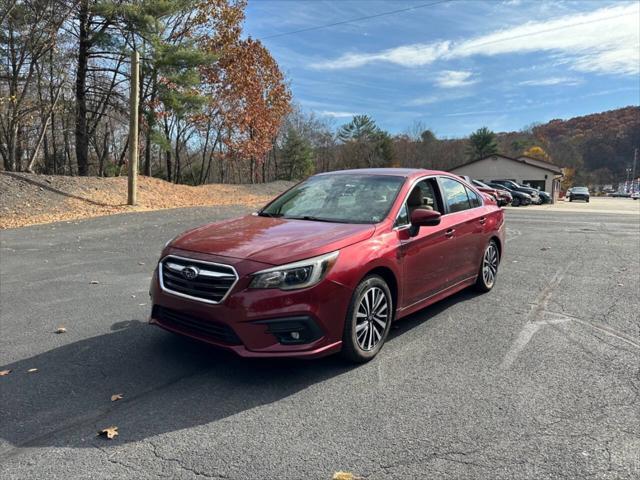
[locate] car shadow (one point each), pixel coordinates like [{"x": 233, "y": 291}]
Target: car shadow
[
  {"x": 167, "y": 383},
  {"x": 421, "y": 316}
]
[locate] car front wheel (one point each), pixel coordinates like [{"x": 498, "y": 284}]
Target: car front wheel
[
  {"x": 488, "y": 268},
  {"x": 368, "y": 320}
]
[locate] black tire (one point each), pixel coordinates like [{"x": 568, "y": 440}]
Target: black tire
[
  {"x": 490, "y": 260},
  {"x": 515, "y": 202},
  {"x": 352, "y": 337},
  {"x": 570, "y": 199},
  {"x": 587, "y": 200}
]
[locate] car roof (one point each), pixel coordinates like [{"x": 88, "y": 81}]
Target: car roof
[{"x": 398, "y": 172}]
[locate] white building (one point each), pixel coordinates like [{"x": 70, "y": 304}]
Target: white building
[{"x": 523, "y": 170}]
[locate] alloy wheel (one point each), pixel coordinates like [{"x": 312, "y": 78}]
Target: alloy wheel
[
  {"x": 490, "y": 265},
  {"x": 372, "y": 316}
]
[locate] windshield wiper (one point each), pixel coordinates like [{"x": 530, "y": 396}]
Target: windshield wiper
[
  {"x": 270, "y": 215},
  {"x": 317, "y": 219}
]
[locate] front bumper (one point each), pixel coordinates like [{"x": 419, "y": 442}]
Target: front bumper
[{"x": 244, "y": 321}]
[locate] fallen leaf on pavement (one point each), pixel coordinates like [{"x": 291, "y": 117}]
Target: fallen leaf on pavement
[
  {"x": 545, "y": 248},
  {"x": 94, "y": 282},
  {"x": 4, "y": 372},
  {"x": 109, "y": 432},
  {"x": 61, "y": 330},
  {"x": 32, "y": 370},
  {"x": 116, "y": 397},
  {"x": 345, "y": 476}
]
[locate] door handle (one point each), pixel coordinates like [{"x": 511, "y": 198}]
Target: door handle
[
  {"x": 483, "y": 220},
  {"x": 449, "y": 233}
]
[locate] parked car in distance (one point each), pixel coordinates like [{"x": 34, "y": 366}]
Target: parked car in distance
[
  {"x": 503, "y": 197},
  {"x": 518, "y": 198},
  {"x": 491, "y": 192},
  {"x": 620, "y": 194},
  {"x": 532, "y": 192},
  {"x": 579, "y": 193},
  {"x": 328, "y": 265},
  {"x": 544, "y": 196},
  {"x": 635, "y": 195}
]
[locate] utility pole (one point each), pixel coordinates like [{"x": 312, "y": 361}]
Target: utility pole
[{"x": 133, "y": 128}]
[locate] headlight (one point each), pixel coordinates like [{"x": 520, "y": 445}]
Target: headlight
[{"x": 302, "y": 274}]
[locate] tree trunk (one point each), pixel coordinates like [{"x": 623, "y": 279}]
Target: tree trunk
[
  {"x": 43, "y": 130},
  {"x": 275, "y": 159},
  {"x": 167, "y": 156},
  {"x": 82, "y": 138}
]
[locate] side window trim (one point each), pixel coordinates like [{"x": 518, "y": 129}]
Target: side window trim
[{"x": 478, "y": 198}]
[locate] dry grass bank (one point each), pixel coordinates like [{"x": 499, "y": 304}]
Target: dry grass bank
[{"x": 28, "y": 199}]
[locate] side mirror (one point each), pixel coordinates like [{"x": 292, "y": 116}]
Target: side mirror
[{"x": 423, "y": 218}]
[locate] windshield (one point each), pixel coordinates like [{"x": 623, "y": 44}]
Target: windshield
[
  {"x": 500, "y": 187},
  {"x": 580, "y": 189},
  {"x": 340, "y": 198}
]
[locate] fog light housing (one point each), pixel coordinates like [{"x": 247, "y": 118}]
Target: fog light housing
[{"x": 293, "y": 330}]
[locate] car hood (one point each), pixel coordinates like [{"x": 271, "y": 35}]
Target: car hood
[{"x": 271, "y": 240}]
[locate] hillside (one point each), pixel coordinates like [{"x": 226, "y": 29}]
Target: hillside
[
  {"x": 596, "y": 148},
  {"x": 618, "y": 122},
  {"x": 28, "y": 199}
]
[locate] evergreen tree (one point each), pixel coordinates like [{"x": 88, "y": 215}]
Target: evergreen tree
[
  {"x": 297, "y": 156},
  {"x": 482, "y": 143}
]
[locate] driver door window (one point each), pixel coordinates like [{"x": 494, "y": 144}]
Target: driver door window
[{"x": 423, "y": 195}]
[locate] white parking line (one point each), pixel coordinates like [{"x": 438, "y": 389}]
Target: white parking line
[{"x": 531, "y": 327}]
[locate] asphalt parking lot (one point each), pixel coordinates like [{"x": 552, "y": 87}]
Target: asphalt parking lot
[{"x": 540, "y": 378}]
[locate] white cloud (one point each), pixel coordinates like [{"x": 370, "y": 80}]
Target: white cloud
[
  {"x": 407, "y": 56},
  {"x": 329, "y": 113},
  {"x": 440, "y": 97},
  {"x": 454, "y": 78},
  {"x": 546, "y": 81},
  {"x": 603, "y": 41}
]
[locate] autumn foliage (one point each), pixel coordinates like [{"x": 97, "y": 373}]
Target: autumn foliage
[{"x": 211, "y": 102}]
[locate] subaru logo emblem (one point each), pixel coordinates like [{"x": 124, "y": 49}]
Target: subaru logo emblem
[{"x": 190, "y": 272}]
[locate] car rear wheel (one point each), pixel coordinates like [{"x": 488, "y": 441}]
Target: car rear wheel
[
  {"x": 515, "y": 202},
  {"x": 488, "y": 268},
  {"x": 368, "y": 320}
]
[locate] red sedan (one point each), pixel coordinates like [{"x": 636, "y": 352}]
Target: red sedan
[{"x": 328, "y": 265}]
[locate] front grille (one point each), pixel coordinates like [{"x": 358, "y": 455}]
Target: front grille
[
  {"x": 203, "y": 281},
  {"x": 198, "y": 326}
]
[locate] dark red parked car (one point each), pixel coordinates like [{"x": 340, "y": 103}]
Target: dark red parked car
[
  {"x": 329, "y": 264},
  {"x": 502, "y": 197}
]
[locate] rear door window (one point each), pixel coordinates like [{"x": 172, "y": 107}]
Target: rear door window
[
  {"x": 474, "y": 199},
  {"x": 454, "y": 195}
]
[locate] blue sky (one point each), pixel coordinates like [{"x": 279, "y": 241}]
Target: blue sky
[{"x": 458, "y": 65}]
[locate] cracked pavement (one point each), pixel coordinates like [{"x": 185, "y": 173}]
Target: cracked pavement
[{"x": 539, "y": 378}]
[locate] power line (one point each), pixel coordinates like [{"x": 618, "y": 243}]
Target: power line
[
  {"x": 553, "y": 29},
  {"x": 368, "y": 17}
]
